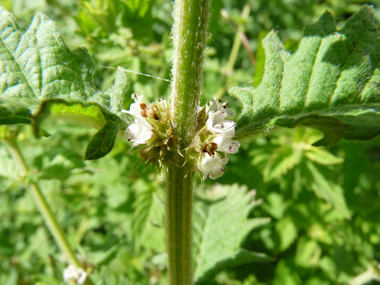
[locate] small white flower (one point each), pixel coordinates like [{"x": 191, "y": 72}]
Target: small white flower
[
  {"x": 213, "y": 166},
  {"x": 215, "y": 106},
  {"x": 82, "y": 275},
  {"x": 224, "y": 129},
  {"x": 225, "y": 144},
  {"x": 141, "y": 130},
  {"x": 72, "y": 273}
]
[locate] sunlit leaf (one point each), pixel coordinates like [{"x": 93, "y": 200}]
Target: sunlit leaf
[
  {"x": 282, "y": 160},
  {"x": 40, "y": 76},
  {"x": 331, "y": 83},
  {"x": 321, "y": 156}
]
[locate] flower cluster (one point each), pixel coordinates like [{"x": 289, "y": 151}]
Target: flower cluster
[
  {"x": 74, "y": 274},
  {"x": 153, "y": 132},
  {"x": 221, "y": 131}
]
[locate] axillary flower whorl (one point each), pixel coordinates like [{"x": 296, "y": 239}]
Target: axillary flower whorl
[
  {"x": 214, "y": 140},
  {"x": 153, "y": 133}
]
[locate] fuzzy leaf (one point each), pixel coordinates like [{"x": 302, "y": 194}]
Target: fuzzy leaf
[
  {"x": 331, "y": 83},
  {"x": 40, "y": 77},
  {"x": 220, "y": 225}
]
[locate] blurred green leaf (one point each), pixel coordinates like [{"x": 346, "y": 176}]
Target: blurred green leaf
[
  {"x": 282, "y": 160},
  {"x": 328, "y": 190},
  {"x": 13, "y": 113},
  {"x": 148, "y": 217},
  {"x": 60, "y": 167},
  {"x": 308, "y": 253},
  {"x": 274, "y": 205},
  {"x": 220, "y": 227},
  {"x": 45, "y": 280},
  {"x": 287, "y": 232},
  {"x": 285, "y": 274},
  {"x": 321, "y": 156}
]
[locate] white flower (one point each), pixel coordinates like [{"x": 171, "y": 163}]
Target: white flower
[
  {"x": 225, "y": 144},
  {"x": 215, "y": 105},
  {"x": 213, "y": 166},
  {"x": 224, "y": 129},
  {"x": 72, "y": 273},
  {"x": 141, "y": 130}
]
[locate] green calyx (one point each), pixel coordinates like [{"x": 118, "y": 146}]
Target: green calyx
[{"x": 162, "y": 148}]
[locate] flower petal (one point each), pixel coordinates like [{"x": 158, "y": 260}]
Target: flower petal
[{"x": 213, "y": 166}]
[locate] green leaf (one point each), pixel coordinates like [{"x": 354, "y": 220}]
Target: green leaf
[
  {"x": 46, "y": 280},
  {"x": 331, "y": 83},
  {"x": 260, "y": 56},
  {"x": 286, "y": 273},
  {"x": 39, "y": 65},
  {"x": 308, "y": 253},
  {"x": 287, "y": 232},
  {"x": 89, "y": 115},
  {"x": 322, "y": 156},
  {"x": 41, "y": 78},
  {"x": 103, "y": 141},
  {"x": 282, "y": 160},
  {"x": 11, "y": 112},
  {"x": 60, "y": 167},
  {"x": 220, "y": 225},
  {"x": 8, "y": 168},
  {"x": 328, "y": 190},
  {"x": 274, "y": 205},
  {"x": 148, "y": 217}
]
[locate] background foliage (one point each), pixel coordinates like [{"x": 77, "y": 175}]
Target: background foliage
[{"x": 322, "y": 203}]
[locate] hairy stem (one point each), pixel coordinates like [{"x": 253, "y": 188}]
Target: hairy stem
[
  {"x": 178, "y": 209},
  {"x": 43, "y": 206},
  {"x": 189, "y": 35}
]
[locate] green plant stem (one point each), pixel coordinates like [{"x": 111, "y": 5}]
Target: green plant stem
[
  {"x": 43, "y": 206},
  {"x": 189, "y": 36},
  {"x": 179, "y": 209}
]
